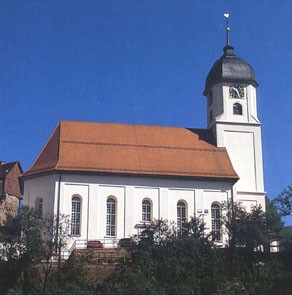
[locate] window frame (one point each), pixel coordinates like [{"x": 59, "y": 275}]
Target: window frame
[
  {"x": 111, "y": 216},
  {"x": 237, "y": 109},
  {"x": 146, "y": 210},
  {"x": 181, "y": 215},
  {"x": 76, "y": 207},
  {"x": 216, "y": 222}
]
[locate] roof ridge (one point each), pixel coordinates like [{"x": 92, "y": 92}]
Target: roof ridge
[
  {"x": 214, "y": 149},
  {"x": 131, "y": 124}
]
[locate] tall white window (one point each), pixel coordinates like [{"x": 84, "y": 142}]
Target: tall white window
[
  {"x": 111, "y": 217},
  {"x": 216, "y": 222},
  {"x": 75, "y": 216},
  {"x": 181, "y": 215},
  {"x": 39, "y": 208},
  {"x": 146, "y": 211}
]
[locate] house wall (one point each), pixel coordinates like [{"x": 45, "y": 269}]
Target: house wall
[
  {"x": 129, "y": 192},
  {"x": 42, "y": 187},
  {"x": 241, "y": 135}
]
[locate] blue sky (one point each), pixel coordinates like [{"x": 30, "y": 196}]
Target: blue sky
[{"x": 138, "y": 61}]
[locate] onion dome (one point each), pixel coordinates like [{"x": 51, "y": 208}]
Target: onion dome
[{"x": 230, "y": 68}]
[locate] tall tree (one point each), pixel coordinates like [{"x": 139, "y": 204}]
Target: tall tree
[
  {"x": 251, "y": 229},
  {"x": 283, "y": 202},
  {"x": 169, "y": 262},
  {"x": 33, "y": 252}
]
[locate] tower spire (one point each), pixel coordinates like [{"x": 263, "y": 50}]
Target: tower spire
[
  {"x": 228, "y": 49},
  {"x": 227, "y": 29}
]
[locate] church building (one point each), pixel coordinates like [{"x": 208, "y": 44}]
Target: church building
[{"x": 112, "y": 179}]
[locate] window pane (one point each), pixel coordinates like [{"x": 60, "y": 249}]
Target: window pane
[
  {"x": 216, "y": 222},
  {"x": 146, "y": 211},
  {"x": 111, "y": 217},
  {"x": 181, "y": 216},
  {"x": 75, "y": 216},
  {"x": 237, "y": 109}
]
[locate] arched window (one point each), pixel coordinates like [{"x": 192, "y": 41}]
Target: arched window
[
  {"x": 216, "y": 222},
  {"x": 39, "y": 208},
  {"x": 76, "y": 216},
  {"x": 181, "y": 215},
  {"x": 146, "y": 211},
  {"x": 111, "y": 217},
  {"x": 237, "y": 109}
]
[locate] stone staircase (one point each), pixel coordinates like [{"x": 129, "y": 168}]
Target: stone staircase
[{"x": 101, "y": 262}]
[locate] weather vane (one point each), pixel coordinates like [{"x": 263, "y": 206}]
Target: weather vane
[{"x": 227, "y": 28}]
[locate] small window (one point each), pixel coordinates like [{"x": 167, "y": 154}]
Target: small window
[
  {"x": 146, "y": 211},
  {"x": 181, "y": 216},
  {"x": 237, "y": 109},
  {"x": 76, "y": 216},
  {"x": 111, "y": 217},
  {"x": 216, "y": 222}
]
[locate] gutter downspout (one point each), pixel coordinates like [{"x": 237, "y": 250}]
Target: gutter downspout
[
  {"x": 58, "y": 207},
  {"x": 232, "y": 212},
  {"x": 88, "y": 195}
]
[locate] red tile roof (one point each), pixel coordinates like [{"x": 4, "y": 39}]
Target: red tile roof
[
  {"x": 9, "y": 175},
  {"x": 5, "y": 168},
  {"x": 132, "y": 149}
]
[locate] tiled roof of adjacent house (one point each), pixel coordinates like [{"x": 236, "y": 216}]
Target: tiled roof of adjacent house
[
  {"x": 9, "y": 177},
  {"x": 133, "y": 149}
]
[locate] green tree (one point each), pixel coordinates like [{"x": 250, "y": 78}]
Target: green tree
[
  {"x": 55, "y": 237},
  {"x": 29, "y": 256},
  {"x": 273, "y": 218},
  {"x": 21, "y": 252},
  {"x": 283, "y": 202},
  {"x": 167, "y": 262},
  {"x": 252, "y": 229}
]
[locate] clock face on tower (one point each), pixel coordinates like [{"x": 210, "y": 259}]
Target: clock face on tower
[{"x": 236, "y": 91}]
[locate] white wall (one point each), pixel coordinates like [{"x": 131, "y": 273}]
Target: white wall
[
  {"x": 129, "y": 192},
  {"x": 40, "y": 187},
  {"x": 241, "y": 135}
]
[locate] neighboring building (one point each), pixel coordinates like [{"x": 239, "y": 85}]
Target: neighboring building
[
  {"x": 10, "y": 193},
  {"x": 111, "y": 178}
]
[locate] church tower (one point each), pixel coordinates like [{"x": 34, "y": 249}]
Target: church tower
[{"x": 232, "y": 117}]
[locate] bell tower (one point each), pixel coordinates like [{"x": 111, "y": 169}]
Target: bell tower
[{"x": 230, "y": 90}]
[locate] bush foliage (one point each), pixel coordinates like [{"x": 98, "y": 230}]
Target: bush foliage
[{"x": 161, "y": 260}]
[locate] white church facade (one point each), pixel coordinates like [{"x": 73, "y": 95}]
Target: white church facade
[{"x": 113, "y": 178}]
